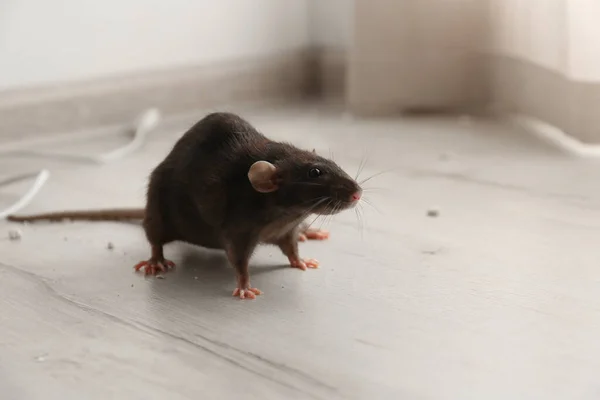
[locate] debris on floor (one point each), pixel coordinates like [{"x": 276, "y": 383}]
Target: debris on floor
[
  {"x": 160, "y": 277},
  {"x": 110, "y": 246},
  {"x": 431, "y": 252},
  {"x": 433, "y": 212},
  {"x": 14, "y": 234}
]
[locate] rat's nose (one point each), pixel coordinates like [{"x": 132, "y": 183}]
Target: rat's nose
[{"x": 356, "y": 196}]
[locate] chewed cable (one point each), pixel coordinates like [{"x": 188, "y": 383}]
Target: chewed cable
[{"x": 40, "y": 180}]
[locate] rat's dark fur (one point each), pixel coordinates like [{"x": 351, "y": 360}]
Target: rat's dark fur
[{"x": 201, "y": 193}]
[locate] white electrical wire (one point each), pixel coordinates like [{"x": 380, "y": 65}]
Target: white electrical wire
[
  {"x": 40, "y": 180},
  {"x": 144, "y": 124}
]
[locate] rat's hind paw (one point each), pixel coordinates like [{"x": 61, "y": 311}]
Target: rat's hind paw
[
  {"x": 313, "y": 234},
  {"x": 248, "y": 293},
  {"x": 154, "y": 267},
  {"x": 304, "y": 264}
]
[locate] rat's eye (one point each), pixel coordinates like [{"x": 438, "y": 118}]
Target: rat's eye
[{"x": 314, "y": 173}]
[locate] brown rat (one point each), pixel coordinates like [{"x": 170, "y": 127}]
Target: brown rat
[{"x": 224, "y": 185}]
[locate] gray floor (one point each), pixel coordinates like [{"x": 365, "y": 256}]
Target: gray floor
[{"x": 497, "y": 298}]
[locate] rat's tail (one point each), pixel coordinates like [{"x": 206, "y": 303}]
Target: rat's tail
[{"x": 118, "y": 214}]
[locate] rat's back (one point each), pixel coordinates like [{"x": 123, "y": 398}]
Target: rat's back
[
  {"x": 217, "y": 132},
  {"x": 195, "y": 179}
]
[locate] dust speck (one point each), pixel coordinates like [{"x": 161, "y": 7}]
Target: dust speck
[
  {"x": 14, "y": 234},
  {"x": 433, "y": 212},
  {"x": 41, "y": 358},
  {"x": 110, "y": 246}
]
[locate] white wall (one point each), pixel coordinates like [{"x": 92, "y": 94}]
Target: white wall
[
  {"x": 563, "y": 35},
  {"x": 584, "y": 40},
  {"x": 535, "y": 31},
  {"x": 331, "y": 22},
  {"x": 44, "y": 41},
  {"x": 416, "y": 53}
]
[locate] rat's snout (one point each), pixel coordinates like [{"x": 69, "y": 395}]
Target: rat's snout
[{"x": 356, "y": 196}]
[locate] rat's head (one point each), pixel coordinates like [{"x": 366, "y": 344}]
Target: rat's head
[{"x": 306, "y": 183}]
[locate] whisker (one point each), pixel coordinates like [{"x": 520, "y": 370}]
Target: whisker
[
  {"x": 362, "y": 165},
  {"x": 368, "y": 202},
  {"x": 329, "y": 218},
  {"x": 318, "y": 203},
  {"x": 309, "y": 211},
  {"x": 305, "y": 215},
  {"x": 376, "y": 189},
  {"x": 375, "y": 175},
  {"x": 316, "y": 199},
  {"x": 362, "y": 221},
  {"x": 323, "y": 221},
  {"x": 318, "y": 216},
  {"x": 357, "y": 218},
  {"x": 362, "y": 218}
]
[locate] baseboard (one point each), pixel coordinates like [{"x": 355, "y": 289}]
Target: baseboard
[
  {"x": 330, "y": 73},
  {"x": 117, "y": 100}
]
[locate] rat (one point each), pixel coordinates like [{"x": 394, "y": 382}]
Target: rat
[{"x": 224, "y": 185}]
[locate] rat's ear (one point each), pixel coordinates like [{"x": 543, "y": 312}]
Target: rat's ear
[{"x": 262, "y": 177}]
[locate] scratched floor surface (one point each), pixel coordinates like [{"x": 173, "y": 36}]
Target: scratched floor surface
[{"x": 496, "y": 298}]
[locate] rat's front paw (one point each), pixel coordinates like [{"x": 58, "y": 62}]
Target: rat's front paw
[
  {"x": 313, "y": 234},
  {"x": 248, "y": 293},
  {"x": 304, "y": 264},
  {"x": 155, "y": 266}
]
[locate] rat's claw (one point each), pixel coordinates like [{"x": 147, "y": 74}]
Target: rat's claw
[
  {"x": 316, "y": 234},
  {"x": 153, "y": 267},
  {"x": 304, "y": 264},
  {"x": 248, "y": 293},
  {"x": 140, "y": 265},
  {"x": 298, "y": 264}
]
